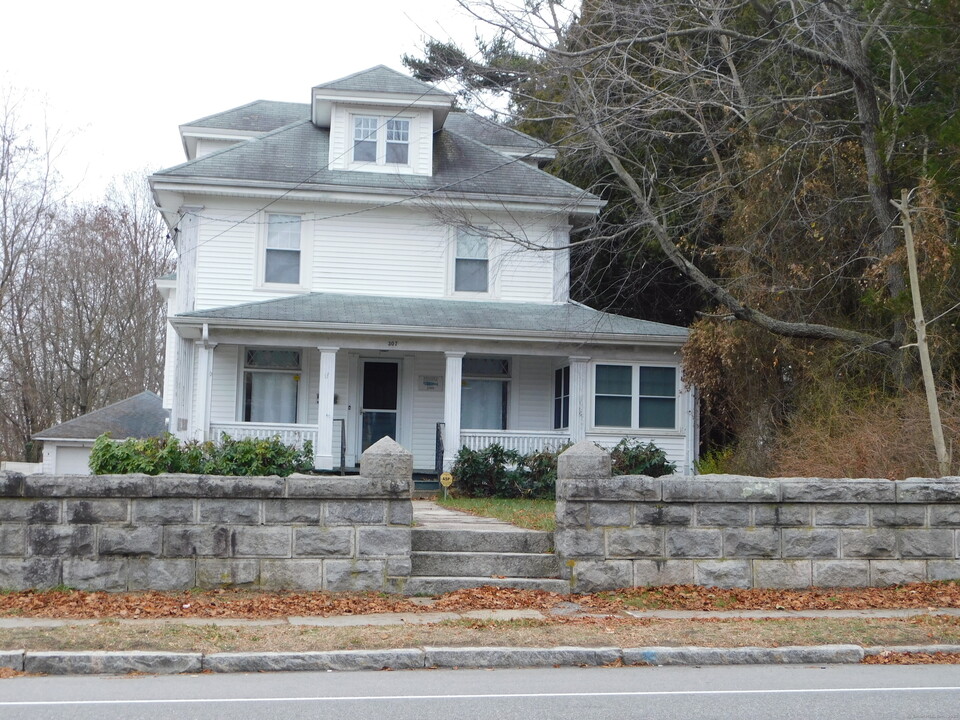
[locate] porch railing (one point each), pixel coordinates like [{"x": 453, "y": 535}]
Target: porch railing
[
  {"x": 523, "y": 441},
  {"x": 290, "y": 434}
]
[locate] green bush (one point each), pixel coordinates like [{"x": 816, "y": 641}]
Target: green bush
[
  {"x": 632, "y": 457},
  {"x": 165, "y": 454},
  {"x": 496, "y": 472}
]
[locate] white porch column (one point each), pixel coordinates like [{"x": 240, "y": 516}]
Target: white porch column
[
  {"x": 201, "y": 424},
  {"x": 452, "y": 385},
  {"x": 323, "y": 452},
  {"x": 579, "y": 389}
]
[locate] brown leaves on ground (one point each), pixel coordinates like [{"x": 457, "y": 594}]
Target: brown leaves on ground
[
  {"x": 263, "y": 605},
  {"x": 912, "y": 658},
  {"x": 694, "y": 597}
]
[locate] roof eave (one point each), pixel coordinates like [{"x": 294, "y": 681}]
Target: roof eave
[
  {"x": 540, "y": 336},
  {"x": 589, "y": 204}
]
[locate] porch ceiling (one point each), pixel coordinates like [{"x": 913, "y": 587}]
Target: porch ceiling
[{"x": 370, "y": 314}]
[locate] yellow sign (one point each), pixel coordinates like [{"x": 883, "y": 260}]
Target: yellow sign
[{"x": 446, "y": 480}]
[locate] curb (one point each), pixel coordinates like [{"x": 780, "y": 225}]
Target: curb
[{"x": 167, "y": 663}]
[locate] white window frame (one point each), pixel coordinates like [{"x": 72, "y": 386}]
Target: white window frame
[
  {"x": 635, "y": 399},
  {"x": 506, "y": 380},
  {"x": 306, "y": 254},
  {"x": 302, "y": 380},
  {"x": 493, "y": 278},
  {"x": 380, "y": 137}
]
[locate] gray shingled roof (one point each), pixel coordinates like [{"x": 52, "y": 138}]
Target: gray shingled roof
[
  {"x": 256, "y": 116},
  {"x": 139, "y": 416},
  {"x": 489, "y": 132},
  {"x": 298, "y": 155},
  {"x": 338, "y": 309},
  {"x": 382, "y": 79}
]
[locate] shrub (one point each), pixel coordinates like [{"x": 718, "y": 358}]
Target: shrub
[
  {"x": 496, "y": 472},
  {"x": 632, "y": 457},
  {"x": 165, "y": 454}
]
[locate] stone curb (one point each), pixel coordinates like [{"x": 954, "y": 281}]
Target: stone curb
[{"x": 166, "y": 663}]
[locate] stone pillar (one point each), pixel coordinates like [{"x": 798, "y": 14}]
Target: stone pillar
[
  {"x": 201, "y": 424},
  {"x": 323, "y": 450},
  {"x": 452, "y": 386},
  {"x": 579, "y": 397}
]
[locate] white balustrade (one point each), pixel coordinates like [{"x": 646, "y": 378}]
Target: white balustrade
[
  {"x": 523, "y": 441},
  {"x": 289, "y": 434}
]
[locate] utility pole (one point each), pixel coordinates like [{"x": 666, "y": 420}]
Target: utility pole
[{"x": 943, "y": 457}]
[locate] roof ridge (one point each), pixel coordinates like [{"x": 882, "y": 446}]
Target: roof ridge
[{"x": 427, "y": 86}]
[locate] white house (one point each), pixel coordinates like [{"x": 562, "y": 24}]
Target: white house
[{"x": 375, "y": 263}]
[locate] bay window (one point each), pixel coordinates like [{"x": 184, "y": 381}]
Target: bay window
[{"x": 635, "y": 397}]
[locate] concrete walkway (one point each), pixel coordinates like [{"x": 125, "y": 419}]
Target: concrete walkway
[{"x": 427, "y": 514}]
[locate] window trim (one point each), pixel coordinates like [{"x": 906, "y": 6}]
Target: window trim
[
  {"x": 635, "y": 398},
  {"x": 493, "y": 279},
  {"x": 380, "y": 138},
  {"x": 243, "y": 369},
  {"x": 306, "y": 254},
  {"x": 563, "y": 398},
  {"x": 504, "y": 378}
]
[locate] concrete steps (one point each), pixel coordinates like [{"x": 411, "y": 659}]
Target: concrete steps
[{"x": 447, "y": 559}]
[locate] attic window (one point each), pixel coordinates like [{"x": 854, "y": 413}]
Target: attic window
[{"x": 381, "y": 140}]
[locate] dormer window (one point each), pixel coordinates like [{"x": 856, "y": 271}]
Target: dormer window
[{"x": 380, "y": 140}]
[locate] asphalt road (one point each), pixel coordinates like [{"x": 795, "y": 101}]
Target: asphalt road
[{"x": 669, "y": 693}]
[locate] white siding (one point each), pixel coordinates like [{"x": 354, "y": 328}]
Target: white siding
[
  {"x": 205, "y": 146},
  {"x": 380, "y": 252},
  {"x": 534, "y": 388},
  {"x": 223, "y": 384},
  {"x": 226, "y": 259},
  {"x": 427, "y": 410},
  {"x": 673, "y": 445},
  {"x": 527, "y": 275}
]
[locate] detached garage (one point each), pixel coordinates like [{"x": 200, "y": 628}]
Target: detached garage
[{"x": 66, "y": 447}]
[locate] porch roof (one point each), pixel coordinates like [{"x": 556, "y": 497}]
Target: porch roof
[{"x": 331, "y": 311}]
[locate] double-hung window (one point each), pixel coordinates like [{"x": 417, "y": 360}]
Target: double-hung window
[
  {"x": 281, "y": 263},
  {"x": 472, "y": 271},
  {"x": 484, "y": 393},
  {"x": 381, "y": 140},
  {"x": 635, "y": 396},
  {"x": 271, "y": 382}
]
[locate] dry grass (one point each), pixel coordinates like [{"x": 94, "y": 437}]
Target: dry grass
[
  {"x": 881, "y": 438},
  {"x": 529, "y": 514},
  {"x": 586, "y": 632}
]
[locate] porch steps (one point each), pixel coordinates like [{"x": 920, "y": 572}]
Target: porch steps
[{"x": 447, "y": 559}]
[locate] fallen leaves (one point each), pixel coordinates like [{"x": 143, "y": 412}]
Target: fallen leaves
[{"x": 888, "y": 657}]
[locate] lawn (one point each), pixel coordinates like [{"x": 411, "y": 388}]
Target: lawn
[{"x": 530, "y": 514}]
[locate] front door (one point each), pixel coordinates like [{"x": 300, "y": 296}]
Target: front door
[{"x": 378, "y": 406}]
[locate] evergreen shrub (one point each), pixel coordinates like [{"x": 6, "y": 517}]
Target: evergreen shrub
[{"x": 166, "y": 454}]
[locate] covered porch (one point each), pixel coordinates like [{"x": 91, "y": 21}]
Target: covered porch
[{"x": 435, "y": 375}]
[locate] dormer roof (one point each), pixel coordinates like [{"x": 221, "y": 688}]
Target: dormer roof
[{"x": 381, "y": 86}]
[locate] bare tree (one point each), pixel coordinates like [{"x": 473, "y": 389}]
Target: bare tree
[{"x": 756, "y": 142}]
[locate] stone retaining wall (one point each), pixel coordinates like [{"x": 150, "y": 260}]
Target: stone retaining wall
[
  {"x": 174, "y": 532},
  {"x": 732, "y": 531}
]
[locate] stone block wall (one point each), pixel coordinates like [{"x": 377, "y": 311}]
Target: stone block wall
[
  {"x": 174, "y": 532},
  {"x": 732, "y": 531}
]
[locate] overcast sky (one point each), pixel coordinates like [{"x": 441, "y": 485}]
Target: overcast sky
[{"x": 119, "y": 77}]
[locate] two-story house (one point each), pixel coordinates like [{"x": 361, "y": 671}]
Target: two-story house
[{"x": 375, "y": 263}]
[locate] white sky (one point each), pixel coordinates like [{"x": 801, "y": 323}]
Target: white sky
[{"x": 119, "y": 77}]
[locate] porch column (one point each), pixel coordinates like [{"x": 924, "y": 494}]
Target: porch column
[
  {"x": 323, "y": 450},
  {"x": 204, "y": 355},
  {"x": 579, "y": 387},
  {"x": 452, "y": 382}
]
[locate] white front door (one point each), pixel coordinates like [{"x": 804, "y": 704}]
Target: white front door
[{"x": 379, "y": 400}]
